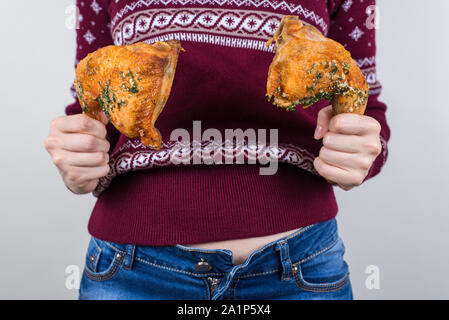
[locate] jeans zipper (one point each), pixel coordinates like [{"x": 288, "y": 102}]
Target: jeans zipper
[{"x": 213, "y": 284}]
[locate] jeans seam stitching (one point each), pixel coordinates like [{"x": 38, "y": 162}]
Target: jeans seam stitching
[
  {"x": 235, "y": 286},
  {"x": 301, "y": 232},
  {"x": 114, "y": 248},
  {"x": 317, "y": 253},
  {"x": 206, "y": 288},
  {"x": 331, "y": 288},
  {"x": 258, "y": 274},
  {"x": 107, "y": 276}
]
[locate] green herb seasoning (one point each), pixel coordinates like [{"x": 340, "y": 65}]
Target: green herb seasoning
[
  {"x": 90, "y": 70},
  {"x": 334, "y": 69},
  {"x": 311, "y": 69},
  {"x": 80, "y": 91},
  {"x": 105, "y": 93},
  {"x": 105, "y": 100},
  {"x": 346, "y": 68},
  {"x": 335, "y": 89},
  {"x": 121, "y": 103},
  {"x": 308, "y": 101},
  {"x": 132, "y": 81}
]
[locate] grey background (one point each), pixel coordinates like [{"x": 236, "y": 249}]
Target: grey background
[{"x": 398, "y": 221}]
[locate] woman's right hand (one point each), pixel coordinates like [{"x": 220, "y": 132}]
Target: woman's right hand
[{"x": 79, "y": 149}]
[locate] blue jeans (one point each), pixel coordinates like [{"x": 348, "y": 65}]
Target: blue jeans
[{"x": 307, "y": 264}]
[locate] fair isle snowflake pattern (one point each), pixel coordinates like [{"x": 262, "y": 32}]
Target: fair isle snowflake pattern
[
  {"x": 96, "y": 7},
  {"x": 290, "y": 8},
  {"x": 138, "y": 157},
  {"x": 227, "y": 27},
  {"x": 347, "y": 5},
  {"x": 89, "y": 37},
  {"x": 356, "y": 34}
]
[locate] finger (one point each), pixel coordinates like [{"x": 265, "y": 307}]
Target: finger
[
  {"x": 327, "y": 171},
  {"x": 346, "y": 188},
  {"x": 324, "y": 117},
  {"x": 81, "y": 159},
  {"x": 79, "y": 123},
  {"x": 345, "y": 160},
  {"x": 103, "y": 118},
  {"x": 342, "y": 142},
  {"x": 95, "y": 173},
  {"x": 77, "y": 142},
  {"x": 335, "y": 174},
  {"x": 85, "y": 187},
  {"x": 349, "y": 123},
  {"x": 79, "y": 175}
]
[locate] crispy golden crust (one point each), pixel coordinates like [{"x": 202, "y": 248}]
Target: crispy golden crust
[
  {"x": 308, "y": 67},
  {"x": 130, "y": 84}
]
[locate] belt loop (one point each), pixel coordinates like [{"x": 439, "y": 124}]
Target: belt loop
[
  {"x": 282, "y": 246},
  {"x": 129, "y": 259}
]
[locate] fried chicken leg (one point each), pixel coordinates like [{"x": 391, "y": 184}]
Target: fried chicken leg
[
  {"x": 130, "y": 84},
  {"x": 308, "y": 67}
]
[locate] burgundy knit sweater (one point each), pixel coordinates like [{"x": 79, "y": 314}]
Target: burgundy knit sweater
[{"x": 220, "y": 80}]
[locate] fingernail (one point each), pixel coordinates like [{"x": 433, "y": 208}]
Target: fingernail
[{"x": 318, "y": 131}]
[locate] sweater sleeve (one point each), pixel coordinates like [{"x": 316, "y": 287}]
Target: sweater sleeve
[
  {"x": 352, "y": 25},
  {"x": 92, "y": 33}
]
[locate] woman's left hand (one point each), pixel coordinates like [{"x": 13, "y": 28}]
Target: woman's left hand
[{"x": 351, "y": 143}]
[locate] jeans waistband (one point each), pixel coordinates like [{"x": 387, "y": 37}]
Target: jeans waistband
[{"x": 272, "y": 257}]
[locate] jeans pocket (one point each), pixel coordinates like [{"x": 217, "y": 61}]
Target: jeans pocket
[
  {"x": 102, "y": 261},
  {"x": 324, "y": 271}
]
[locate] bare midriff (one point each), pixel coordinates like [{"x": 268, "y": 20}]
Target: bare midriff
[{"x": 242, "y": 248}]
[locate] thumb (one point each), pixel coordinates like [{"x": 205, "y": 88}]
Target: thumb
[
  {"x": 322, "y": 125},
  {"x": 103, "y": 118}
]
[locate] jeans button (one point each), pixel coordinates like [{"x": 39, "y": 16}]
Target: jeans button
[{"x": 203, "y": 266}]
